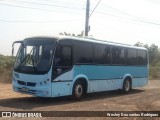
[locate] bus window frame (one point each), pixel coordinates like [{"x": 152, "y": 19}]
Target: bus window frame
[
  {"x": 92, "y": 54},
  {"x": 111, "y": 55},
  {"x": 55, "y": 75}
]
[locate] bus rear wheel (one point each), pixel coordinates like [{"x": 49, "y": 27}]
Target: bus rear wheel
[
  {"x": 78, "y": 90},
  {"x": 127, "y": 85}
]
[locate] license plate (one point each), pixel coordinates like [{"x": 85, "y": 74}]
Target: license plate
[{"x": 24, "y": 89}]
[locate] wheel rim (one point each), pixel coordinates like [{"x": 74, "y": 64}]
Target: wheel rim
[
  {"x": 127, "y": 85},
  {"x": 78, "y": 90}
]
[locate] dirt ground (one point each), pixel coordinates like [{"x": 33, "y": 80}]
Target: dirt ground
[{"x": 141, "y": 99}]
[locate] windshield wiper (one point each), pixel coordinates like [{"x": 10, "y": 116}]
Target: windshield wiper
[{"x": 19, "y": 66}]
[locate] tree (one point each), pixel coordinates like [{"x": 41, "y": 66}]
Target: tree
[
  {"x": 154, "y": 54},
  {"x": 139, "y": 44},
  {"x": 72, "y": 34}
]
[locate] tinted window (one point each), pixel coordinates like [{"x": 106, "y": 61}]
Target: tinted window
[
  {"x": 131, "y": 57},
  {"x": 118, "y": 55},
  {"x": 142, "y": 57},
  {"x": 63, "y": 56},
  {"x": 83, "y": 52},
  {"x": 102, "y": 54}
]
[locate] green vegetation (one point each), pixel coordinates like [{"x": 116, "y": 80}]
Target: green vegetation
[
  {"x": 72, "y": 34},
  {"x": 6, "y": 63}
]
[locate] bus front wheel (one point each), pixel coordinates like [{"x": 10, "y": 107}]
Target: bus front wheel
[
  {"x": 78, "y": 90},
  {"x": 127, "y": 85}
]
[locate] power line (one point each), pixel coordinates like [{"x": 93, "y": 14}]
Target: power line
[
  {"x": 49, "y": 10},
  {"x": 71, "y": 20},
  {"x": 94, "y": 8},
  {"x": 1, "y": 20},
  {"x": 134, "y": 18},
  {"x": 126, "y": 33},
  {"x": 139, "y": 19},
  {"x": 153, "y": 1},
  {"x": 42, "y": 4},
  {"x": 53, "y": 1},
  {"x": 131, "y": 19},
  {"x": 87, "y": 27}
]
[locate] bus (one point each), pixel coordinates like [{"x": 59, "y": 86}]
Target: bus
[{"x": 70, "y": 66}]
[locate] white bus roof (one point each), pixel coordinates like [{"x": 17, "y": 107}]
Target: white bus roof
[
  {"x": 87, "y": 39},
  {"x": 100, "y": 41}
]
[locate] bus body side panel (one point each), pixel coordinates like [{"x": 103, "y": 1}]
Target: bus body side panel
[
  {"x": 103, "y": 78},
  {"x": 99, "y": 78},
  {"x": 142, "y": 82},
  {"x": 61, "y": 86}
]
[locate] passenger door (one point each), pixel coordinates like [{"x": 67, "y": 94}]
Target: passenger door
[{"x": 62, "y": 59}]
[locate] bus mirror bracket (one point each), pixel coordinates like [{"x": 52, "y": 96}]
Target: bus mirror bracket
[{"x": 13, "y": 46}]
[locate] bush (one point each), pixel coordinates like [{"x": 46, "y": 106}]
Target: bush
[
  {"x": 6, "y": 66},
  {"x": 154, "y": 71}
]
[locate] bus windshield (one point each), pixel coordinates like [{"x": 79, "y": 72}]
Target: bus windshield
[{"x": 34, "y": 56}]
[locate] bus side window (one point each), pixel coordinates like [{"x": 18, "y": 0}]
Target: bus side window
[
  {"x": 63, "y": 59},
  {"x": 118, "y": 55},
  {"x": 66, "y": 56},
  {"x": 63, "y": 56},
  {"x": 142, "y": 57}
]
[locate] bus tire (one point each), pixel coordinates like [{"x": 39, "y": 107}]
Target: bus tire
[
  {"x": 78, "y": 90},
  {"x": 126, "y": 85}
]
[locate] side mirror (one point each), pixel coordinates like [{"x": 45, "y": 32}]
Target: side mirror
[{"x": 13, "y": 46}]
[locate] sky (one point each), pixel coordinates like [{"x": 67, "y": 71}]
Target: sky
[{"x": 122, "y": 21}]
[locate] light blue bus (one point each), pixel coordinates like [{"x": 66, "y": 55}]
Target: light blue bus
[{"x": 62, "y": 66}]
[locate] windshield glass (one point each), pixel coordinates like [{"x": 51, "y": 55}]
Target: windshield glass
[{"x": 35, "y": 55}]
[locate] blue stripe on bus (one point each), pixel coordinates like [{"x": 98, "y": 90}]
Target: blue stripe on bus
[{"x": 108, "y": 72}]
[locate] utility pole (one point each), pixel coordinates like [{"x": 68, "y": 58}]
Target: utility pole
[{"x": 87, "y": 18}]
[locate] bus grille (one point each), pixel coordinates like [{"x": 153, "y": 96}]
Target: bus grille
[
  {"x": 28, "y": 83},
  {"x": 21, "y": 82}
]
